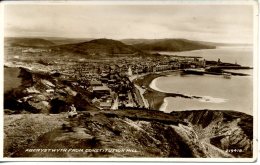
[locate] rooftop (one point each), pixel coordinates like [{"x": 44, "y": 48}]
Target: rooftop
[
  {"x": 99, "y": 88},
  {"x": 105, "y": 104}
]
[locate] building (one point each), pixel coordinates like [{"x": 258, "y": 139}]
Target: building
[
  {"x": 105, "y": 105},
  {"x": 162, "y": 68},
  {"x": 99, "y": 91}
]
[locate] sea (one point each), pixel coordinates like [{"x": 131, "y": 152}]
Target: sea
[
  {"x": 243, "y": 55},
  {"x": 215, "y": 91}
]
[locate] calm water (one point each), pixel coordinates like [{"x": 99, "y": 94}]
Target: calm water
[
  {"x": 231, "y": 54},
  {"x": 217, "y": 92}
]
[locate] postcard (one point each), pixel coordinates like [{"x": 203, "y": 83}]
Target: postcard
[{"x": 168, "y": 81}]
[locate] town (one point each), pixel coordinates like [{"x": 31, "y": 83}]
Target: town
[{"x": 109, "y": 80}]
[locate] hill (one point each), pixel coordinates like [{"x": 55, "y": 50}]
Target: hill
[
  {"x": 136, "y": 133},
  {"x": 27, "y": 42},
  {"x": 104, "y": 47},
  {"x": 151, "y": 133},
  {"x": 137, "y": 41},
  {"x": 168, "y": 44},
  {"x": 63, "y": 41},
  {"x": 100, "y": 47}
]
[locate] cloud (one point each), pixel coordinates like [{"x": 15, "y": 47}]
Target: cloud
[{"x": 220, "y": 23}]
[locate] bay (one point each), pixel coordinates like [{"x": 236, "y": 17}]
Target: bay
[
  {"x": 216, "y": 92},
  {"x": 242, "y": 55}
]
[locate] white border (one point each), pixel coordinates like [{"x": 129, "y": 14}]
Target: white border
[
  {"x": 2, "y": 78},
  {"x": 136, "y": 2},
  {"x": 254, "y": 3}
]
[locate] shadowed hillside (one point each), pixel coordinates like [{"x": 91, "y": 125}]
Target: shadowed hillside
[
  {"x": 100, "y": 47},
  {"x": 169, "y": 45}
]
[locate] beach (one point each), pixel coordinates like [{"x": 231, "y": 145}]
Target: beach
[
  {"x": 164, "y": 105},
  {"x": 152, "y": 94},
  {"x": 170, "y": 91}
]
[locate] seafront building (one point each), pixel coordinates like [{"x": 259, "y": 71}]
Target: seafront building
[{"x": 108, "y": 80}]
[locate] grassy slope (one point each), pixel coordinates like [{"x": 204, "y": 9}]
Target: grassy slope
[
  {"x": 99, "y": 46},
  {"x": 172, "y": 45},
  {"x": 150, "y": 133},
  {"x": 23, "y": 129}
]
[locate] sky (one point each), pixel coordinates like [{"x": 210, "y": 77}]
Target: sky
[{"x": 214, "y": 23}]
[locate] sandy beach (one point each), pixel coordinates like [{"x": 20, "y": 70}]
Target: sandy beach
[
  {"x": 165, "y": 102},
  {"x": 194, "y": 92},
  {"x": 152, "y": 94},
  {"x": 157, "y": 98},
  {"x": 164, "y": 105},
  {"x": 153, "y": 85}
]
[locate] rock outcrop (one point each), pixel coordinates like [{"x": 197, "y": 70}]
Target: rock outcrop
[
  {"x": 37, "y": 92},
  {"x": 146, "y": 133},
  {"x": 228, "y": 130},
  {"x": 140, "y": 132}
]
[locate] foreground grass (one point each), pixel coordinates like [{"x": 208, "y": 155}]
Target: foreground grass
[
  {"x": 149, "y": 133},
  {"x": 23, "y": 129}
]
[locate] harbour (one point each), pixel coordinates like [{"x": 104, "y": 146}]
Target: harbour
[
  {"x": 211, "y": 91},
  {"x": 223, "y": 87}
]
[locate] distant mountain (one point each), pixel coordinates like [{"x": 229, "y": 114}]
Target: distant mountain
[
  {"x": 168, "y": 44},
  {"x": 108, "y": 46},
  {"x": 63, "y": 41},
  {"x": 27, "y": 42},
  {"x": 100, "y": 47},
  {"x": 138, "y": 41}
]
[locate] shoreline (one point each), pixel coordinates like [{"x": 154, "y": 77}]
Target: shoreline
[
  {"x": 157, "y": 98},
  {"x": 140, "y": 91},
  {"x": 154, "y": 97},
  {"x": 153, "y": 86},
  {"x": 164, "y": 105},
  {"x": 150, "y": 94}
]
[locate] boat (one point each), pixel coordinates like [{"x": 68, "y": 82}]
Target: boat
[
  {"x": 227, "y": 75},
  {"x": 194, "y": 71}
]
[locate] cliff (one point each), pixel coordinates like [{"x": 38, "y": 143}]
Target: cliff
[
  {"x": 140, "y": 132},
  {"x": 146, "y": 133}
]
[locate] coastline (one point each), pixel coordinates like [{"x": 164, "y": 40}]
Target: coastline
[
  {"x": 152, "y": 85},
  {"x": 140, "y": 94},
  {"x": 155, "y": 98},
  {"x": 164, "y": 105},
  {"x": 150, "y": 94}
]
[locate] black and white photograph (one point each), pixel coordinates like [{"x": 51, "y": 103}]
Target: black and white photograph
[{"x": 117, "y": 79}]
